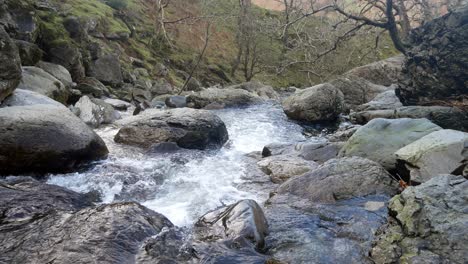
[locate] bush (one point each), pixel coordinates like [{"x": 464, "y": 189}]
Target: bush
[{"x": 117, "y": 4}]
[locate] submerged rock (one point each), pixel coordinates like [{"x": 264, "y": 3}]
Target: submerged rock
[
  {"x": 431, "y": 226},
  {"x": 441, "y": 152},
  {"x": 381, "y": 138},
  {"x": 225, "y": 97},
  {"x": 45, "y": 138},
  {"x": 189, "y": 128},
  {"x": 323, "y": 102},
  {"x": 10, "y": 66}
]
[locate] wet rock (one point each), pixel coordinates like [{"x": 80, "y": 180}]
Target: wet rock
[
  {"x": 176, "y": 101},
  {"x": 319, "y": 151},
  {"x": 111, "y": 233},
  {"x": 118, "y": 104},
  {"x": 283, "y": 167},
  {"x": 385, "y": 72},
  {"x": 431, "y": 226},
  {"x": 45, "y": 138},
  {"x": 92, "y": 86},
  {"x": 226, "y": 97},
  {"x": 30, "y": 53},
  {"x": 340, "y": 179},
  {"x": 357, "y": 91},
  {"x": 379, "y": 139},
  {"x": 189, "y": 128},
  {"x": 95, "y": 112},
  {"x": 37, "y": 80},
  {"x": 277, "y": 149},
  {"x": 107, "y": 70},
  {"x": 441, "y": 152},
  {"x": 243, "y": 223},
  {"x": 385, "y": 100},
  {"x": 10, "y": 66},
  {"x": 58, "y": 71},
  {"x": 435, "y": 69},
  {"x": 22, "y": 97},
  {"x": 446, "y": 117},
  {"x": 323, "y": 102}
]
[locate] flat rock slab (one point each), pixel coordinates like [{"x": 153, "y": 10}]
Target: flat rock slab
[{"x": 189, "y": 128}]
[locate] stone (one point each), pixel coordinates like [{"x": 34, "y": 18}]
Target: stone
[
  {"x": 435, "y": 69},
  {"x": 176, "y": 101},
  {"x": 37, "y": 80},
  {"x": 92, "y": 86},
  {"x": 340, "y": 179},
  {"x": 30, "y": 53},
  {"x": 58, "y": 71},
  {"x": 343, "y": 133},
  {"x": 161, "y": 88},
  {"x": 10, "y": 68},
  {"x": 385, "y": 100},
  {"x": 95, "y": 112},
  {"x": 189, "y": 128},
  {"x": 283, "y": 167},
  {"x": 118, "y": 104},
  {"x": 226, "y": 97},
  {"x": 441, "y": 152},
  {"x": 69, "y": 56},
  {"x": 320, "y": 103},
  {"x": 379, "y": 139},
  {"x": 242, "y": 222},
  {"x": 385, "y": 72},
  {"x": 260, "y": 89},
  {"x": 107, "y": 70},
  {"x": 431, "y": 226},
  {"x": 446, "y": 117},
  {"x": 22, "y": 97},
  {"x": 45, "y": 138},
  {"x": 319, "y": 151}
]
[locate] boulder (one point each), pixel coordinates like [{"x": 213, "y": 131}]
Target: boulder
[
  {"x": 340, "y": 179},
  {"x": 226, "y": 97},
  {"x": 242, "y": 222},
  {"x": 435, "y": 69},
  {"x": 323, "y": 102},
  {"x": 379, "y": 139},
  {"x": 259, "y": 89},
  {"x": 58, "y": 71},
  {"x": 22, "y": 97},
  {"x": 95, "y": 112},
  {"x": 107, "y": 70},
  {"x": 189, "y": 128},
  {"x": 385, "y": 100},
  {"x": 30, "y": 53},
  {"x": 446, "y": 117},
  {"x": 385, "y": 72},
  {"x": 319, "y": 151},
  {"x": 283, "y": 167},
  {"x": 431, "y": 226},
  {"x": 45, "y": 138},
  {"x": 357, "y": 91},
  {"x": 67, "y": 55},
  {"x": 37, "y": 80},
  {"x": 176, "y": 101},
  {"x": 343, "y": 133},
  {"x": 10, "y": 66},
  {"x": 162, "y": 87},
  {"x": 118, "y": 104},
  {"x": 441, "y": 152},
  {"x": 92, "y": 86}
]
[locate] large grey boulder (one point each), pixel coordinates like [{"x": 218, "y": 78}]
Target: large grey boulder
[
  {"x": 107, "y": 70},
  {"x": 446, "y": 117},
  {"x": 189, "y": 128},
  {"x": 340, "y": 179},
  {"x": 10, "y": 66},
  {"x": 45, "y": 138},
  {"x": 22, "y": 97},
  {"x": 441, "y": 152},
  {"x": 92, "y": 86},
  {"x": 69, "y": 56},
  {"x": 319, "y": 151},
  {"x": 58, "y": 71},
  {"x": 95, "y": 112},
  {"x": 431, "y": 226},
  {"x": 225, "y": 97},
  {"x": 283, "y": 167},
  {"x": 385, "y": 100},
  {"x": 118, "y": 104},
  {"x": 437, "y": 61},
  {"x": 379, "y": 139},
  {"x": 258, "y": 88},
  {"x": 29, "y": 53},
  {"x": 385, "y": 72},
  {"x": 37, "y": 80},
  {"x": 323, "y": 102}
]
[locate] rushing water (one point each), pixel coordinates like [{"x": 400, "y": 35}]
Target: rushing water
[{"x": 185, "y": 184}]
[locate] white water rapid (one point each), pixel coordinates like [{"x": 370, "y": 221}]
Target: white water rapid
[{"x": 185, "y": 184}]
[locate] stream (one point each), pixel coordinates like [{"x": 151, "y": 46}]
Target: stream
[{"x": 185, "y": 184}]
